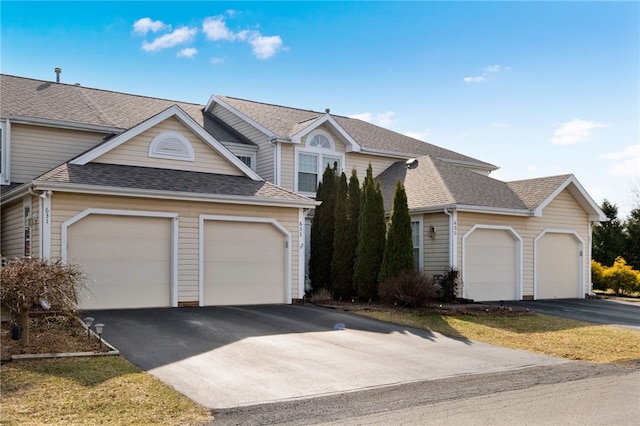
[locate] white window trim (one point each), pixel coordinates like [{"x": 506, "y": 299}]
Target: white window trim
[
  {"x": 153, "y": 146},
  {"x": 320, "y": 153},
  {"x": 5, "y": 140}
]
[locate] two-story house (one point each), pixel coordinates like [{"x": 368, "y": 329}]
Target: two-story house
[{"x": 168, "y": 203}]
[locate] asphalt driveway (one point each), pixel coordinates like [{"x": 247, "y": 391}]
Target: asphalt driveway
[
  {"x": 226, "y": 357},
  {"x": 616, "y": 312}
]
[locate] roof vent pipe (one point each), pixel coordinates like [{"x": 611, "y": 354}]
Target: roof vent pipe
[{"x": 58, "y": 70}]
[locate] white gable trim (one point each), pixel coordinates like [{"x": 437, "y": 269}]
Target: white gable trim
[
  {"x": 351, "y": 144},
  {"x": 580, "y": 194},
  {"x": 216, "y": 100},
  {"x": 184, "y": 118}
]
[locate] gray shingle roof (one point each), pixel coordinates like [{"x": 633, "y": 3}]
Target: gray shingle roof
[
  {"x": 166, "y": 180},
  {"x": 436, "y": 183},
  {"x": 67, "y": 103},
  {"x": 534, "y": 192},
  {"x": 286, "y": 122}
]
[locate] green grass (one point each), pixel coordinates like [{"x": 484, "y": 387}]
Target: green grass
[
  {"x": 91, "y": 391},
  {"x": 548, "y": 335}
]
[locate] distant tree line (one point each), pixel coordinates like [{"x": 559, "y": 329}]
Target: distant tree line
[{"x": 616, "y": 251}]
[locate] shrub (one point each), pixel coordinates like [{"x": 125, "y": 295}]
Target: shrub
[
  {"x": 449, "y": 285},
  {"x": 408, "y": 289},
  {"x": 322, "y": 295},
  {"x": 597, "y": 275},
  {"x": 28, "y": 282},
  {"x": 621, "y": 278}
]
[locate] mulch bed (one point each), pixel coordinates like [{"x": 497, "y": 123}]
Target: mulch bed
[
  {"x": 463, "y": 308},
  {"x": 49, "y": 334}
]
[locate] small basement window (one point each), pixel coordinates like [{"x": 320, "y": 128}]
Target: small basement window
[{"x": 172, "y": 146}]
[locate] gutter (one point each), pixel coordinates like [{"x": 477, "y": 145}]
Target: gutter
[
  {"x": 158, "y": 194},
  {"x": 474, "y": 209},
  {"x": 62, "y": 124}
]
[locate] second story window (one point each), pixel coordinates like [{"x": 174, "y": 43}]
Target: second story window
[{"x": 312, "y": 160}]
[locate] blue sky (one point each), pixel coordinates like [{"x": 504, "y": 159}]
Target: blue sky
[{"x": 536, "y": 88}]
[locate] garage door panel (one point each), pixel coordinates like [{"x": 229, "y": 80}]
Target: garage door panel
[
  {"x": 244, "y": 263},
  {"x": 557, "y": 266},
  {"x": 127, "y": 260},
  {"x": 490, "y": 265}
]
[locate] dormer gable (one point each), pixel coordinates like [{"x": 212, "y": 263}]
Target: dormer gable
[{"x": 169, "y": 148}]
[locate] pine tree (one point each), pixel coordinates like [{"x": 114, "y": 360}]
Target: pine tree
[
  {"x": 398, "y": 250},
  {"x": 340, "y": 263},
  {"x": 632, "y": 239},
  {"x": 608, "y": 237},
  {"x": 371, "y": 239},
  {"x": 322, "y": 230}
]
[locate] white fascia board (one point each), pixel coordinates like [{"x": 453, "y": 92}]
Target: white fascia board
[
  {"x": 184, "y": 118},
  {"x": 583, "y": 198},
  {"x": 16, "y": 194},
  {"x": 156, "y": 194},
  {"x": 352, "y": 145},
  {"x": 216, "y": 100},
  {"x": 473, "y": 209},
  {"x": 62, "y": 124}
]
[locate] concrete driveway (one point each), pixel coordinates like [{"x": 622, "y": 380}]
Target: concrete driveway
[
  {"x": 226, "y": 357},
  {"x": 616, "y": 312}
]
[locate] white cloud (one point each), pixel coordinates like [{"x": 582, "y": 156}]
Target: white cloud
[
  {"x": 144, "y": 25},
  {"x": 179, "y": 36},
  {"x": 217, "y": 60},
  {"x": 423, "y": 136},
  {"x": 491, "y": 69},
  {"x": 215, "y": 28},
  {"x": 477, "y": 79},
  {"x": 265, "y": 47},
  {"x": 384, "y": 119},
  {"x": 364, "y": 116},
  {"x": 188, "y": 52},
  {"x": 575, "y": 131},
  {"x": 627, "y": 161}
]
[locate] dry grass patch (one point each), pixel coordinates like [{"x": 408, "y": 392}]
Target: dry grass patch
[
  {"x": 91, "y": 391},
  {"x": 548, "y": 335}
]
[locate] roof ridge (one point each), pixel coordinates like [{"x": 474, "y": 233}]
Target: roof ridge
[
  {"x": 564, "y": 175},
  {"x": 273, "y": 105},
  {"x": 103, "y": 90}
]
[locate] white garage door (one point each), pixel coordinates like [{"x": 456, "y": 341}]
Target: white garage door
[
  {"x": 490, "y": 265},
  {"x": 127, "y": 259},
  {"x": 557, "y": 266},
  {"x": 244, "y": 263}
]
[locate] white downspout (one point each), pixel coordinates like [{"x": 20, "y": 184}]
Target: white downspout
[{"x": 45, "y": 224}]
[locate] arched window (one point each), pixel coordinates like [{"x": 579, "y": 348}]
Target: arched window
[{"x": 318, "y": 152}]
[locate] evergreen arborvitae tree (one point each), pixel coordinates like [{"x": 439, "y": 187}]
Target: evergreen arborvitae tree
[
  {"x": 315, "y": 244},
  {"x": 398, "y": 250},
  {"x": 322, "y": 230},
  {"x": 632, "y": 239},
  {"x": 353, "y": 220},
  {"x": 340, "y": 264},
  {"x": 371, "y": 239},
  {"x": 608, "y": 237}
]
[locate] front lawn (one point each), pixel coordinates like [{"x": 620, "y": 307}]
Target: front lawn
[
  {"x": 544, "y": 334},
  {"x": 91, "y": 391}
]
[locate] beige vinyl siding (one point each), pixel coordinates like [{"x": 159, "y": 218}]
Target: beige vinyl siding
[
  {"x": 287, "y": 166},
  {"x": 65, "y": 206},
  {"x": 436, "y": 249},
  {"x": 266, "y": 153},
  {"x": 135, "y": 152},
  {"x": 361, "y": 162},
  {"x": 36, "y": 150},
  {"x": 12, "y": 231},
  {"x": 563, "y": 213}
]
